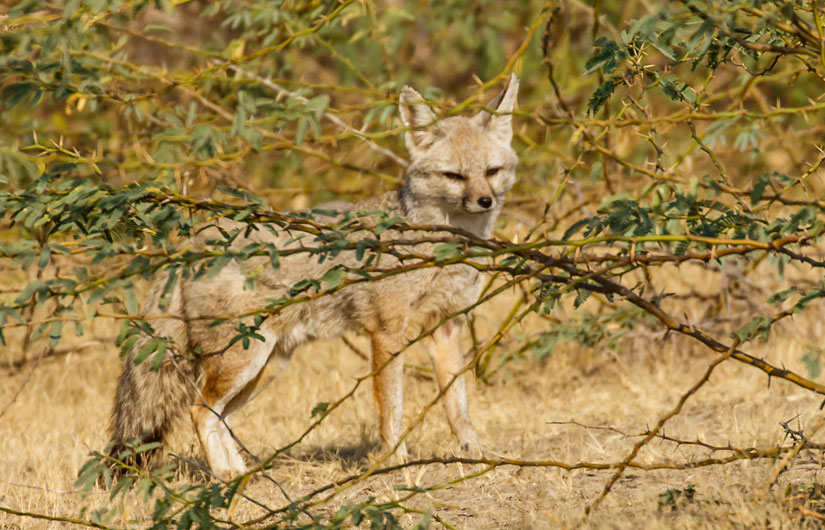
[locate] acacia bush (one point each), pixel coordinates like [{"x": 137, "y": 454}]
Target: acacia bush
[{"x": 650, "y": 133}]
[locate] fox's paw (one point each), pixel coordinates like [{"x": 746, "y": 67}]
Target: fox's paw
[
  {"x": 470, "y": 445},
  {"x": 401, "y": 456}
]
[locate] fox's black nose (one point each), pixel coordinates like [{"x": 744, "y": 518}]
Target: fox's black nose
[{"x": 485, "y": 202}]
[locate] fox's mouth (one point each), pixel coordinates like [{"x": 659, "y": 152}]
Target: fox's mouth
[{"x": 476, "y": 212}]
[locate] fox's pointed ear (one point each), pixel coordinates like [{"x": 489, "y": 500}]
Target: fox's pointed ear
[
  {"x": 500, "y": 124},
  {"x": 415, "y": 114}
]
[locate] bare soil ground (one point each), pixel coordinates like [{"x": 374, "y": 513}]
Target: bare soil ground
[{"x": 53, "y": 412}]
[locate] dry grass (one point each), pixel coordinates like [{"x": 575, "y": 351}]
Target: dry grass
[{"x": 56, "y": 411}]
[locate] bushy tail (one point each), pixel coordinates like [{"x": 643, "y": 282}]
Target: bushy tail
[{"x": 148, "y": 401}]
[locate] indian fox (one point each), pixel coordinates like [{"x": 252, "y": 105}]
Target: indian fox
[{"x": 460, "y": 170}]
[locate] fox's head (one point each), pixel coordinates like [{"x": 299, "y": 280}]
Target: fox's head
[{"x": 462, "y": 166}]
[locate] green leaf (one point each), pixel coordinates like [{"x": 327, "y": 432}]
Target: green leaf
[
  {"x": 121, "y": 487},
  {"x": 664, "y": 48},
  {"x": 446, "y": 251},
  {"x": 55, "y": 332},
  {"x": 158, "y": 357},
  {"x": 781, "y": 296},
  {"x": 813, "y": 362},
  {"x": 30, "y": 290},
  {"x": 301, "y": 130},
  {"x": 131, "y": 300},
  {"x": 15, "y": 93},
  {"x": 90, "y": 472},
  {"x": 317, "y": 106},
  {"x": 581, "y": 296},
  {"x": 424, "y": 523},
  {"x": 69, "y": 8},
  {"x": 148, "y": 349},
  {"x": 45, "y": 256},
  {"x": 216, "y": 265},
  {"x": 601, "y": 95},
  {"x": 274, "y": 259},
  {"x": 386, "y": 224},
  {"x": 808, "y": 297},
  {"x": 759, "y": 188},
  {"x": 606, "y": 57},
  {"x": 759, "y": 326},
  {"x": 334, "y": 276},
  {"x": 145, "y": 489},
  {"x": 319, "y": 408}
]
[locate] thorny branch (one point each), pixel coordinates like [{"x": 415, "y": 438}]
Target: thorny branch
[{"x": 653, "y": 432}]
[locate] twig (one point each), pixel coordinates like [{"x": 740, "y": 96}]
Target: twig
[
  {"x": 23, "y": 384},
  {"x": 653, "y": 432},
  {"x": 56, "y": 352},
  {"x": 49, "y": 490},
  {"x": 34, "y": 515},
  {"x": 331, "y": 117},
  {"x": 800, "y": 442},
  {"x": 492, "y": 463}
]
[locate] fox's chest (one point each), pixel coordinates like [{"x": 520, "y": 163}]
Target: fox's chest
[{"x": 447, "y": 291}]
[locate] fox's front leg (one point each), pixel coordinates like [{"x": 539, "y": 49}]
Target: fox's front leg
[
  {"x": 387, "y": 385},
  {"x": 447, "y": 357}
]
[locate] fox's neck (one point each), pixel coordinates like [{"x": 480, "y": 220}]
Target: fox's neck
[{"x": 418, "y": 211}]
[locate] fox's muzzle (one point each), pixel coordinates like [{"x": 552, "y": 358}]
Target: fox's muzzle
[{"x": 479, "y": 205}]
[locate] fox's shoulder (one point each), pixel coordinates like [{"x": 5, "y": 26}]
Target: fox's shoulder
[{"x": 386, "y": 202}]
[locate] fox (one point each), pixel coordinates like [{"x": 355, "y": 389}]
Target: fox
[{"x": 459, "y": 173}]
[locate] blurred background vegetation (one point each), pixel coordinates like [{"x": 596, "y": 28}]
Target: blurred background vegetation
[
  {"x": 202, "y": 95},
  {"x": 206, "y": 95}
]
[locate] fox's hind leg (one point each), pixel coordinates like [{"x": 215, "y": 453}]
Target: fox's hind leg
[
  {"x": 229, "y": 381},
  {"x": 252, "y": 389},
  {"x": 448, "y": 359}
]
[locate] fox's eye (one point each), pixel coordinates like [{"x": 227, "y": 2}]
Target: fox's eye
[
  {"x": 453, "y": 176},
  {"x": 492, "y": 171}
]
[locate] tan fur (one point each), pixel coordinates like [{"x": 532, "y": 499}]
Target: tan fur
[{"x": 449, "y": 182}]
